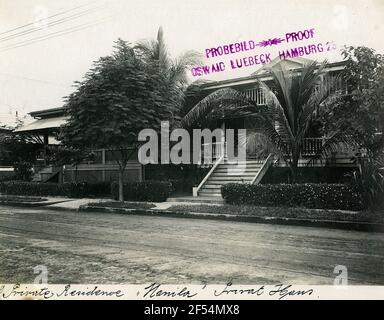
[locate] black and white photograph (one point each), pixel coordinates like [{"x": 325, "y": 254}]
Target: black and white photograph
[{"x": 198, "y": 149}]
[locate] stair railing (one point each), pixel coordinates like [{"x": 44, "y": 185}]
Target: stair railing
[
  {"x": 195, "y": 190},
  {"x": 264, "y": 168}
]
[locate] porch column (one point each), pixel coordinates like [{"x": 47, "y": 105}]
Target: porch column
[
  {"x": 223, "y": 139},
  {"x": 46, "y": 141}
]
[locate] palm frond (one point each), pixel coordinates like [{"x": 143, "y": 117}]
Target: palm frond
[
  {"x": 227, "y": 96},
  {"x": 275, "y": 112}
]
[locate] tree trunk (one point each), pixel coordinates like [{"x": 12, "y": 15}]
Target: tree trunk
[
  {"x": 294, "y": 165},
  {"x": 76, "y": 172},
  {"x": 121, "y": 184},
  {"x": 293, "y": 174}
]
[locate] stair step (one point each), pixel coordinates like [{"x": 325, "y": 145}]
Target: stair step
[
  {"x": 215, "y": 190},
  {"x": 236, "y": 176},
  {"x": 237, "y": 170},
  {"x": 240, "y": 172},
  {"x": 234, "y": 173},
  {"x": 229, "y": 181},
  {"x": 211, "y": 186},
  {"x": 208, "y": 194},
  {"x": 229, "y": 178},
  {"x": 252, "y": 166},
  {"x": 241, "y": 162},
  {"x": 217, "y": 184},
  {"x": 221, "y": 182}
]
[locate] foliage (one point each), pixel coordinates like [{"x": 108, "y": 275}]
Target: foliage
[
  {"x": 361, "y": 111},
  {"x": 153, "y": 191},
  {"x": 61, "y": 155},
  {"x": 174, "y": 71},
  {"x": 360, "y": 114},
  {"x": 17, "y": 148},
  {"x": 320, "y": 196},
  {"x": 183, "y": 176},
  {"x": 309, "y": 174},
  {"x": 119, "y": 96},
  {"x": 66, "y": 155},
  {"x": 133, "y": 89},
  {"x": 370, "y": 179},
  {"x": 23, "y": 170},
  {"x": 72, "y": 190},
  {"x": 107, "y": 109},
  {"x": 294, "y": 103}
]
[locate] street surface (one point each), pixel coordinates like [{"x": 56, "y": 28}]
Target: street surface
[{"x": 121, "y": 249}]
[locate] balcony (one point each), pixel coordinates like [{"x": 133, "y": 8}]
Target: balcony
[
  {"x": 256, "y": 94},
  {"x": 312, "y": 146}
]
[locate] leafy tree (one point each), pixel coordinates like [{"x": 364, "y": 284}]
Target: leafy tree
[
  {"x": 294, "y": 103},
  {"x": 361, "y": 111},
  {"x": 370, "y": 178},
  {"x": 64, "y": 155},
  {"x": 360, "y": 114},
  {"x": 23, "y": 170},
  {"x": 19, "y": 151},
  {"x": 175, "y": 78},
  {"x": 122, "y": 94}
]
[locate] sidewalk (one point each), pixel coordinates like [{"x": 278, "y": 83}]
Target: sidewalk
[
  {"x": 78, "y": 204},
  {"x": 163, "y": 209},
  {"x": 72, "y": 204}
]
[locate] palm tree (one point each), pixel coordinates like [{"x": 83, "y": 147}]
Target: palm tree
[
  {"x": 293, "y": 103},
  {"x": 173, "y": 71}
]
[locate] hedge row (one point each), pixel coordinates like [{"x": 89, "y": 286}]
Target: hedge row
[
  {"x": 138, "y": 191},
  {"x": 72, "y": 190},
  {"x": 310, "y": 195},
  {"x": 153, "y": 191}
]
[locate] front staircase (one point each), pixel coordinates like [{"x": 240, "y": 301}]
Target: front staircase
[
  {"x": 46, "y": 174},
  {"x": 249, "y": 171}
]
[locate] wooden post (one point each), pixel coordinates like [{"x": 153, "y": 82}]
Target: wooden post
[{"x": 46, "y": 141}]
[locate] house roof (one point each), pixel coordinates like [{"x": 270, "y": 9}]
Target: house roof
[
  {"x": 43, "y": 124},
  {"x": 289, "y": 64},
  {"x": 53, "y": 112},
  {"x": 263, "y": 75},
  {"x": 55, "y": 117},
  {"x": 2, "y": 130}
]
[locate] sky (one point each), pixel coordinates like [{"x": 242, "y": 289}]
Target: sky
[{"x": 46, "y": 45}]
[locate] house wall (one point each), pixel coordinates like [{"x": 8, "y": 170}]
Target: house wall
[{"x": 102, "y": 172}]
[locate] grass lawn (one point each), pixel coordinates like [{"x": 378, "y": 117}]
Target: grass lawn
[
  {"x": 298, "y": 213},
  {"x": 124, "y": 205}
]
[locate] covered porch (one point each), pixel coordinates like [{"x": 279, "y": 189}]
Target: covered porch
[{"x": 312, "y": 146}]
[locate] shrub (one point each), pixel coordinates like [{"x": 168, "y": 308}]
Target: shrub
[
  {"x": 321, "y": 196},
  {"x": 23, "y": 170},
  {"x": 72, "y": 190},
  {"x": 7, "y": 177},
  {"x": 370, "y": 180},
  {"x": 153, "y": 191}
]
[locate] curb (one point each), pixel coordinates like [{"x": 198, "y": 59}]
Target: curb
[
  {"x": 40, "y": 204},
  {"x": 345, "y": 225}
]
